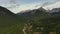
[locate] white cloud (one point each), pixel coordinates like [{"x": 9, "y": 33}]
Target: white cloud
[
  {"x": 55, "y": 5},
  {"x": 34, "y": 6},
  {"x": 24, "y": 7},
  {"x": 15, "y": 8}
]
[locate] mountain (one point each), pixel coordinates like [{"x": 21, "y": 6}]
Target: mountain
[
  {"x": 5, "y": 11},
  {"x": 34, "y": 12},
  {"x": 54, "y": 11},
  {"x": 43, "y": 19},
  {"x": 10, "y": 23},
  {"x": 39, "y": 10}
]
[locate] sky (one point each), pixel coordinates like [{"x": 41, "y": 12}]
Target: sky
[{"x": 21, "y": 5}]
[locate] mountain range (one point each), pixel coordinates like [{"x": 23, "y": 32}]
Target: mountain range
[
  {"x": 40, "y": 11},
  {"x": 48, "y": 19},
  {"x": 29, "y": 13},
  {"x": 11, "y": 23}
]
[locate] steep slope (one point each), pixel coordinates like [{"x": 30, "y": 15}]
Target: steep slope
[
  {"x": 10, "y": 23},
  {"x": 4, "y": 11}
]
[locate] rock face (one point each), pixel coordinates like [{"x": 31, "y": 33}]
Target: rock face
[{"x": 5, "y": 11}]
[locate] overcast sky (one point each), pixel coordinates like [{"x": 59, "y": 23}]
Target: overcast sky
[{"x": 20, "y": 5}]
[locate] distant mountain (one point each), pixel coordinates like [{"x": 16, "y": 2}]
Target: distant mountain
[
  {"x": 40, "y": 13},
  {"x": 54, "y": 11},
  {"x": 39, "y": 10},
  {"x": 34, "y": 12}
]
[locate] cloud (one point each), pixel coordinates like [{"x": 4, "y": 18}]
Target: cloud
[
  {"x": 19, "y": 5},
  {"x": 24, "y": 7},
  {"x": 55, "y": 5},
  {"x": 49, "y": 2},
  {"x": 46, "y": 5}
]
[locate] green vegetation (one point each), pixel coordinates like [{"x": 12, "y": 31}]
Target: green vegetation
[
  {"x": 48, "y": 23},
  {"x": 13, "y": 24},
  {"x": 10, "y": 23}
]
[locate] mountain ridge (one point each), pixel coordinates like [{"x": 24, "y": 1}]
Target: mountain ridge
[{"x": 51, "y": 12}]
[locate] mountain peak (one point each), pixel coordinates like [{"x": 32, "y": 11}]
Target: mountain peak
[{"x": 34, "y": 12}]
